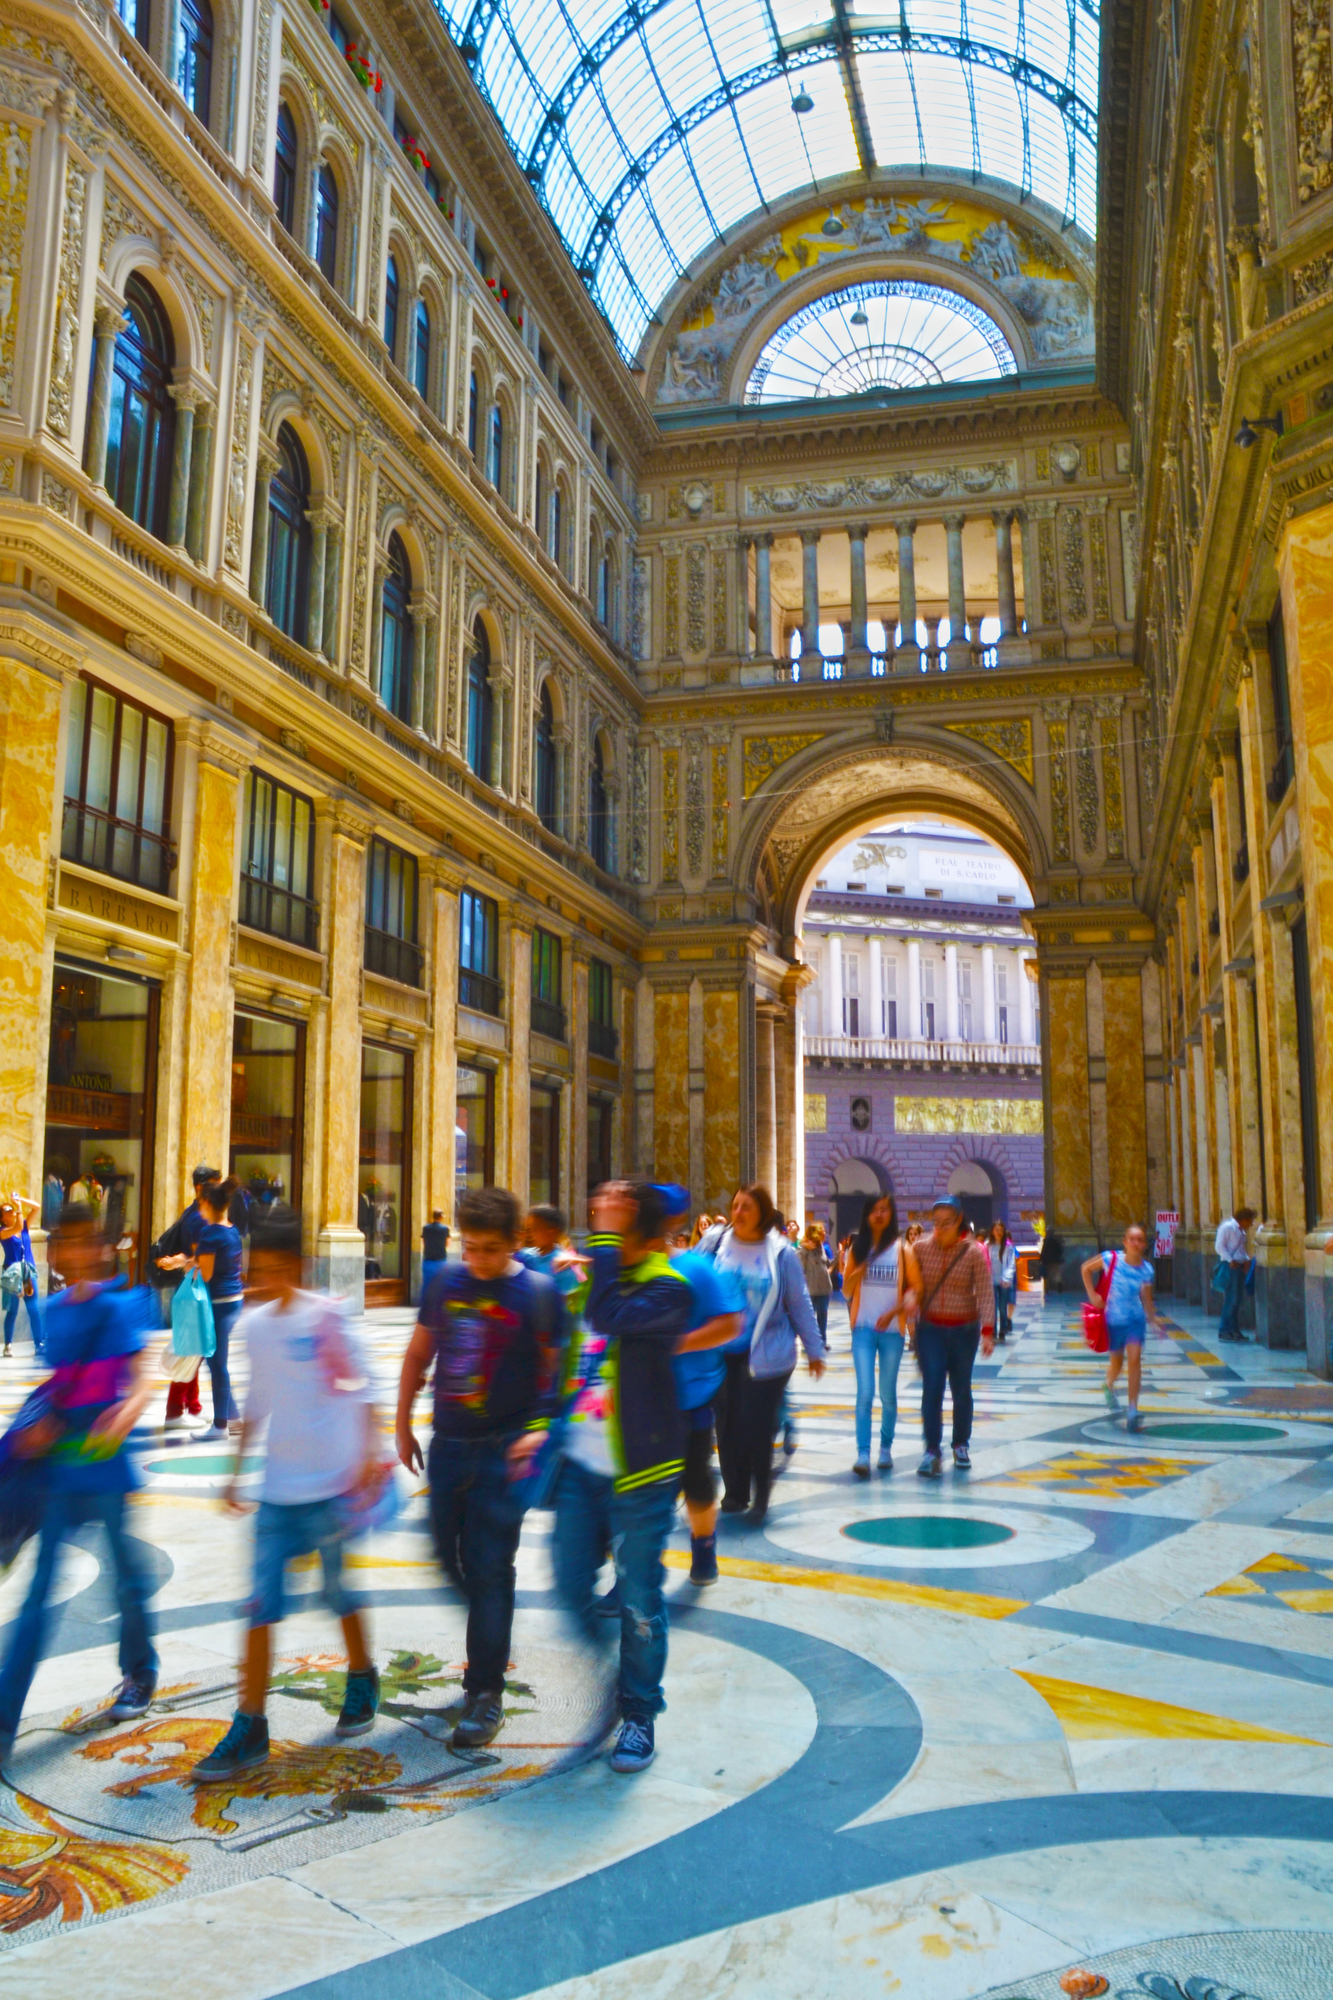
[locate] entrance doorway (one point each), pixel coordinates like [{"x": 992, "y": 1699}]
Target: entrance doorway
[
  {"x": 854, "y": 1182},
  {"x": 976, "y": 1190}
]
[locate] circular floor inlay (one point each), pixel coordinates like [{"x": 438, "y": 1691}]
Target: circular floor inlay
[
  {"x": 211, "y": 1466},
  {"x": 929, "y": 1531},
  {"x": 1209, "y": 1432}
]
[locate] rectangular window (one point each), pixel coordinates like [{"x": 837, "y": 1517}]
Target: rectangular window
[
  {"x": 117, "y": 788},
  {"x": 548, "y": 1013},
  {"x": 965, "y": 1002},
  {"x": 267, "y": 1094},
  {"x": 474, "y": 1130},
  {"x": 391, "y": 914},
  {"x": 851, "y": 1015},
  {"x": 401, "y": 130},
  {"x": 544, "y": 1145},
  {"x": 479, "y": 952},
  {"x": 384, "y": 1186},
  {"x": 928, "y": 1020},
  {"x": 602, "y": 1037},
  {"x": 1284, "y": 767},
  {"x": 431, "y": 182},
  {"x": 1002, "y": 1025},
  {"x": 927, "y": 979},
  {"x": 278, "y": 862},
  {"x": 891, "y": 1019},
  {"x": 599, "y": 1142},
  {"x": 338, "y": 29}
]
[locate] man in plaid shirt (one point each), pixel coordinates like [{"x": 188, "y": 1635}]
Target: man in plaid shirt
[{"x": 949, "y": 1272}]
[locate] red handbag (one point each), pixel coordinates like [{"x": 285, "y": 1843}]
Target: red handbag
[{"x": 1094, "y": 1317}]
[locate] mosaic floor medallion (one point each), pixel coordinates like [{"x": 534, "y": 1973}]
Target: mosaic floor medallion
[
  {"x": 101, "y": 1818},
  {"x": 929, "y": 1531}
]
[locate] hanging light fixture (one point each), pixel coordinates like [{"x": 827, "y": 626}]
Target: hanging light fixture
[
  {"x": 802, "y": 102},
  {"x": 860, "y": 317},
  {"x": 832, "y": 226}
]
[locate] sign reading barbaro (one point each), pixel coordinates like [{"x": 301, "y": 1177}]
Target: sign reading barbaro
[{"x": 110, "y": 904}]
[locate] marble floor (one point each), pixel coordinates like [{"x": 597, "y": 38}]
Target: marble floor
[{"x": 1071, "y": 1711}]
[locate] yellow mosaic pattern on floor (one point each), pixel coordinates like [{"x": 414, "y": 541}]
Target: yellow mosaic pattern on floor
[
  {"x": 1086, "y": 1472},
  {"x": 1093, "y": 1712},
  {"x": 971, "y": 1603}
]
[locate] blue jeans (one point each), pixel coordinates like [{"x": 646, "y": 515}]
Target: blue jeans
[
  {"x": 431, "y": 1267},
  {"x": 34, "y": 1306},
  {"x": 946, "y": 1351},
  {"x": 65, "y": 1511},
  {"x": 821, "y": 1316},
  {"x": 226, "y": 1312},
  {"x": 282, "y": 1533},
  {"x": 476, "y": 1512},
  {"x": 868, "y": 1345},
  {"x": 590, "y": 1517},
  {"x": 1231, "y": 1298}
]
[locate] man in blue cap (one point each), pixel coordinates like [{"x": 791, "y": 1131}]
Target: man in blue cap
[{"x": 699, "y": 1376}]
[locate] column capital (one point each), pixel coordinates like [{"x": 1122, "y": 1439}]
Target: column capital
[
  {"x": 808, "y": 536},
  {"x": 109, "y": 319},
  {"x": 858, "y": 531},
  {"x": 907, "y": 527},
  {"x": 321, "y": 515},
  {"x": 1003, "y": 517},
  {"x": 954, "y": 522},
  {"x": 342, "y": 817}
]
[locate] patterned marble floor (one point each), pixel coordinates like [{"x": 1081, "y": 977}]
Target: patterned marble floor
[{"x": 1071, "y": 1711}]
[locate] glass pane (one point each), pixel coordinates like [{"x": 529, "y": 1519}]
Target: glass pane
[
  {"x": 97, "y": 1086},
  {"x": 78, "y": 715},
  {"x": 127, "y": 770},
  {"x": 282, "y": 839},
  {"x": 100, "y": 740},
  {"x": 155, "y": 776},
  {"x": 382, "y": 1211},
  {"x": 300, "y": 863},
  {"x": 544, "y": 1146},
  {"x": 265, "y": 1112},
  {"x": 474, "y": 1129}
]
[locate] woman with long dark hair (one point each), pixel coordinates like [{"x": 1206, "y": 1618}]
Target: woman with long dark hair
[
  {"x": 877, "y": 1307},
  {"x": 1003, "y": 1271}
]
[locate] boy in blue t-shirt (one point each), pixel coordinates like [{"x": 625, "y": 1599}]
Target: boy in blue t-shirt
[
  {"x": 699, "y": 1375},
  {"x": 1124, "y": 1282}
]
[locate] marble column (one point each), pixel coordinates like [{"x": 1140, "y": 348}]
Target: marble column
[
  {"x": 856, "y": 544},
  {"x": 420, "y": 649},
  {"x": 208, "y": 889},
  {"x": 1126, "y": 1097},
  {"x": 810, "y": 594},
  {"x": 833, "y": 987},
  {"x": 380, "y": 571},
  {"x": 951, "y": 993},
  {"x": 108, "y": 322},
  {"x": 340, "y": 1248},
  {"x": 765, "y": 1097},
  {"x": 319, "y": 519},
  {"x": 907, "y": 650},
  {"x": 763, "y": 596},
  {"x": 1069, "y": 1114},
  {"x": 988, "y": 992},
  {"x": 1004, "y": 570},
  {"x": 914, "y": 1029},
  {"x": 333, "y": 550},
  {"x": 876, "y": 1028},
  {"x": 444, "y": 1046},
  {"x": 959, "y": 652},
  {"x": 1025, "y": 1023},
  {"x": 499, "y": 730},
  {"x": 266, "y": 464},
  {"x": 518, "y": 1007},
  {"x": 187, "y": 400},
  {"x": 201, "y": 466},
  {"x": 29, "y": 741}
]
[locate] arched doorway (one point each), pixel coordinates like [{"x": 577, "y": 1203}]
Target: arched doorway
[
  {"x": 853, "y": 1181},
  {"x": 984, "y": 1202}
]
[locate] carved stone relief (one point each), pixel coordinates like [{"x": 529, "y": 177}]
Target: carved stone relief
[
  {"x": 1011, "y": 740},
  {"x": 1075, "y": 589},
  {"x": 638, "y": 831},
  {"x": 1113, "y": 790},
  {"x": 1312, "y": 65},
  {"x": 721, "y": 804},
  {"x": 15, "y": 147},
  {"x": 929, "y": 483},
  {"x": 1057, "y": 737},
  {"x": 672, "y": 605},
  {"x": 64, "y": 337},
  {"x": 1085, "y": 764},
  {"x": 234, "y": 537},
  {"x": 670, "y": 813},
  {"x": 695, "y": 823},
  {"x": 696, "y": 627}
]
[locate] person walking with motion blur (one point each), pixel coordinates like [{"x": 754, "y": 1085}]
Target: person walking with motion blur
[
  {"x": 20, "y": 1272},
  {"x": 818, "y": 1278},
  {"x": 1003, "y": 1272},
  {"x": 171, "y": 1253},
  {"x": 217, "y": 1258},
  {"x": 96, "y": 1330},
  {"x": 716, "y": 1318},
  {"x": 877, "y": 1304},
  {"x": 1124, "y": 1281},
  {"x": 949, "y": 1272},
  {"x": 310, "y": 1383},
  {"x": 434, "y": 1247}
]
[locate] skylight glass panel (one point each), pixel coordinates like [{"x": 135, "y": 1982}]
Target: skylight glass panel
[
  {"x": 1048, "y": 136},
  {"x": 934, "y": 17},
  {"x": 723, "y": 169},
  {"x": 594, "y": 141},
  {"x": 680, "y": 54},
  {"x": 1000, "y": 124},
  {"x": 801, "y": 17},
  {"x": 632, "y": 95},
  {"x": 517, "y": 105},
  {"x": 909, "y": 336},
  {"x": 891, "y": 109},
  {"x": 741, "y": 35},
  {"x": 673, "y": 197},
  {"x": 571, "y": 210},
  {"x": 644, "y": 248},
  {"x": 551, "y": 49}
]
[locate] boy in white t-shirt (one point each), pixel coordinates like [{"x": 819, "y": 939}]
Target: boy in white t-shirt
[{"x": 310, "y": 1383}]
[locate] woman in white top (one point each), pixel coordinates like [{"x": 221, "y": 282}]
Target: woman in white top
[
  {"x": 877, "y": 1307},
  {"x": 1003, "y": 1269}
]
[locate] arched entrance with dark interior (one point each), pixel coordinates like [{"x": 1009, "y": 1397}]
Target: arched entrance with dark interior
[
  {"x": 854, "y": 1181},
  {"x": 982, "y": 1192}
]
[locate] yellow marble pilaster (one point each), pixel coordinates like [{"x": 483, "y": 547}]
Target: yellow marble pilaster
[
  {"x": 30, "y": 705},
  {"x": 722, "y": 1099},
  {"x": 1065, "y": 1024},
  {"x": 340, "y": 1248},
  {"x": 520, "y": 1075},
  {"x": 1126, "y": 1108},
  {"x": 1209, "y": 1177},
  {"x": 206, "y": 1092},
  {"x": 671, "y": 1086},
  {"x": 1273, "y": 1173},
  {"x": 443, "y": 1087},
  {"x": 576, "y": 1098}
]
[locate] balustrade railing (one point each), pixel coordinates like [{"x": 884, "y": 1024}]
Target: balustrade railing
[{"x": 880, "y": 1048}]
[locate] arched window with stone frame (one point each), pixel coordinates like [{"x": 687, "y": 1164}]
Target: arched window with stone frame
[
  {"x": 286, "y": 167},
  {"x": 141, "y": 415},
  {"x": 480, "y": 738},
  {"x": 287, "y": 590},
  {"x": 397, "y": 633},
  {"x": 545, "y": 763},
  {"x": 599, "y": 806},
  {"x": 328, "y": 202}
]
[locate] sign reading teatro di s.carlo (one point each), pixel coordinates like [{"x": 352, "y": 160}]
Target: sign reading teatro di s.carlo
[{"x": 974, "y": 870}]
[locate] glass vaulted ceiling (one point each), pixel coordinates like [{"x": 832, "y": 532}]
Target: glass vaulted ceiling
[{"x": 650, "y": 129}]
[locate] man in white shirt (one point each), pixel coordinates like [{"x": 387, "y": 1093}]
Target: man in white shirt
[{"x": 1233, "y": 1254}]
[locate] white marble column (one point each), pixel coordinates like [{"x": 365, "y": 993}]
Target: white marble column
[
  {"x": 765, "y": 1097},
  {"x": 266, "y": 464},
  {"x": 856, "y": 540},
  {"x": 810, "y": 593},
  {"x": 876, "y": 1027},
  {"x": 908, "y": 649},
  {"x": 1025, "y": 1023},
  {"x": 988, "y": 992},
  {"x": 1004, "y": 569},
  {"x": 763, "y": 596},
  {"x": 914, "y": 1029},
  {"x": 108, "y": 322},
  {"x": 833, "y": 987},
  {"x": 951, "y": 992}
]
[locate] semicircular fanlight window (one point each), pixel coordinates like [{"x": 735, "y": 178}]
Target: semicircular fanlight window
[{"x": 892, "y": 334}]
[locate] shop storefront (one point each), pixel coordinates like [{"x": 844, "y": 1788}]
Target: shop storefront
[
  {"x": 267, "y": 1094},
  {"x": 600, "y": 1111},
  {"x": 384, "y": 1205},
  {"x": 474, "y": 1130},
  {"x": 544, "y": 1143},
  {"x": 101, "y": 1085}
]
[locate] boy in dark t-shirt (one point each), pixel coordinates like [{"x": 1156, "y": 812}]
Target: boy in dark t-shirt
[{"x": 494, "y": 1331}]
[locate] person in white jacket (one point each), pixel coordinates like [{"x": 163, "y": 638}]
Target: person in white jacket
[{"x": 1003, "y": 1272}]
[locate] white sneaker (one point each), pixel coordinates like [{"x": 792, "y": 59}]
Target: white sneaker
[
  {"x": 214, "y": 1434},
  {"x": 175, "y": 1424},
  {"x": 885, "y": 1460},
  {"x": 862, "y": 1468}
]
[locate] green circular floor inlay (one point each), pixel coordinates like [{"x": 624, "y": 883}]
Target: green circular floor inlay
[
  {"x": 1206, "y": 1433},
  {"x": 929, "y": 1531},
  {"x": 210, "y": 1466}
]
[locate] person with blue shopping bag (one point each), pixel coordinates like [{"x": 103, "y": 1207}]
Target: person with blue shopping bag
[
  {"x": 97, "y": 1329},
  {"x": 310, "y": 1383},
  {"x": 217, "y": 1258},
  {"x": 19, "y": 1277}
]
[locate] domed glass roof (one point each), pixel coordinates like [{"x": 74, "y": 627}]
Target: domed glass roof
[
  {"x": 649, "y": 130},
  {"x": 891, "y": 333}
]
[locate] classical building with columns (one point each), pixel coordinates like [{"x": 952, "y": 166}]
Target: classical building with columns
[{"x": 478, "y": 533}]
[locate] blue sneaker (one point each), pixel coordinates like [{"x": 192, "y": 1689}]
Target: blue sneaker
[
  {"x": 931, "y": 1466},
  {"x": 244, "y": 1745},
  {"x": 634, "y": 1748},
  {"x": 361, "y": 1701},
  {"x": 1134, "y": 1421}
]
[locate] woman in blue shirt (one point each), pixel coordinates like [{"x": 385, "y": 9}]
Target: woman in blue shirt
[
  {"x": 217, "y": 1259},
  {"x": 1124, "y": 1285},
  {"x": 16, "y": 1245}
]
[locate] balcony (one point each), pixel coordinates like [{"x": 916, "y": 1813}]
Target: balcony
[
  {"x": 923, "y": 1054},
  {"x": 392, "y": 957},
  {"x": 603, "y": 1040},
  {"x": 479, "y": 991},
  {"x": 117, "y": 847},
  {"x": 548, "y": 1018},
  {"x": 266, "y": 907}
]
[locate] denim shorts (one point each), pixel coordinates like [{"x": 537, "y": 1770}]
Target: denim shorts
[
  {"x": 1130, "y": 1333},
  {"x": 282, "y": 1534}
]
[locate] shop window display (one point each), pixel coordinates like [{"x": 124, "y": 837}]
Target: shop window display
[
  {"x": 474, "y": 1129},
  {"x": 99, "y": 1101},
  {"x": 544, "y": 1145},
  {"x": 267, "y": 1088},
  {"x": 384, "y": 1205}
]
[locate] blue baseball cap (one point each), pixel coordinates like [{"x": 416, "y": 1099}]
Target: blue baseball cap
[{"x": 676, "y": 1197}]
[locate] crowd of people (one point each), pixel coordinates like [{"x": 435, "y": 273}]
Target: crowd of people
[{"x": 597, "y": 1382}]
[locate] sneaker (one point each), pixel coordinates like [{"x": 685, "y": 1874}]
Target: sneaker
[
  {"x": 634, "y": 1747},
  {"x": 215, "y": 1434},
  {"x": 361, "y": 1700},
  {"x": 733, "y": 1506},
  {"x": 962, "y": 1458},
  {"x": 480, "y": 1722},
  {"x": 703, "y": 1559},
  {"x": 757, "y": 1514},
  {"x": 133, "y": 1698},
  {"x": 862, "y": 1468},
  {"x": 931, "y": 1466},
  {"x": 244, "y": 1745},
  {"x": 1112, "y": 1401},
  {"x": 175, "y": 1424},
  {"x": 1134, "y": 1420},
  {"x": 884, "y": 1463}
]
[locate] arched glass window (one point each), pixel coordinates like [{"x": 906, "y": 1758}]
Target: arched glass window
[
  {"x": 287, "y": 597},
  {"x": 495, "y": 456},
  {"x": 285, "y": 169},
  {"x": 472, "y": 413},
  {"x": 553, "y": 536},
  {"x": 604, "y": 589},
  {"x": 391, "y": 309},
  {"x": 421, "y": 349},
  {"x": 396, "y": 634},
  {"x": 194, "y": 54},
  {"x": 539, "y": 498},
  {"x": 480, "y": 704},
  {"x": 326, "y": 223},
  {"x": 135, "y": 15},
  {"x": 141, "y": 428},
  {"x": 544, "y": 775},
  {"x": 599, "y": 809}
]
